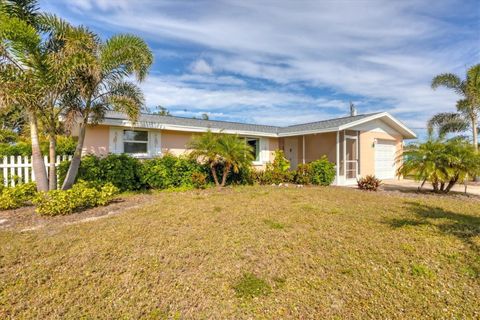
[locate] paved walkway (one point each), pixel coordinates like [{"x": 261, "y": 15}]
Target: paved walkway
[{"x": 411, "y": 185}]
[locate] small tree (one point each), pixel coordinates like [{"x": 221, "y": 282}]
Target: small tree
[
  {"x": 101, "y": 86},
  {"x": 442, "y": 163},
  {"x": 228, "y": 151}
]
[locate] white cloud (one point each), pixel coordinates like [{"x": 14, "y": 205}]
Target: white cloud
[
  {"x": 201, "y": 66},
  {"x": 385, "y": 52}
]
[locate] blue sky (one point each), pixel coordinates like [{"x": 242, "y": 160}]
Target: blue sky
[{"x": 286, "y": 62}]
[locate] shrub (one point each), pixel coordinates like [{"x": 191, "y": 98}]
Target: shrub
[
  {"x": 199, "y": 180},
  {"x": 303, "y": 174},
  {"x": 81, "y": 196},
  {"x": 322, "y": 171},
  {"x": 244, "y": 176},
  {"x": 276, "y": 172},
  {"x": 18, "y": 196},
  {"x": 369, "y": 183},
  {"x": 170, "y": 171},
  {"x": 123, "y": 171}
]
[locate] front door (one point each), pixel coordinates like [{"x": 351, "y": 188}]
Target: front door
[{"x": 291, "y": 151}]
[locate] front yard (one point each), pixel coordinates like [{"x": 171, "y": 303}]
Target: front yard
[{"x": 250, "y": 252}]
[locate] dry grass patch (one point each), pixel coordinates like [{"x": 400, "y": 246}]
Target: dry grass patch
[{"x": 252, "y": 252}]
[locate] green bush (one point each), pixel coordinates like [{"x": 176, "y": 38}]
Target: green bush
[
  {"x": 122, "y": 171},
  {"x": 199, "y": 180},
  {"x": 81, "y": 196},
  {"x": 245, "y": 175},
  {"x": 369, "y": 183},
  {"x": 322, "y": 171},
  {"x": 303, "y": 174},
  {"x": 18, "y": 196},
  {"x": 170, "y": 171},
  {"x": 276, "y": 172}
]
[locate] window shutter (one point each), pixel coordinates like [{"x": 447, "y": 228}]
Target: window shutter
[
  {"x": 263, "y": 150},
  {"x": 154, "y": 143},
  {"x": 116, "y": 141}
]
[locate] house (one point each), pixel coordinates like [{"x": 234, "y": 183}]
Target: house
[{"x": 359, "y": 144}]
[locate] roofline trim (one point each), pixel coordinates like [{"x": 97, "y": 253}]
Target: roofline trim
[
  {"x": 378, "y": 116},
  {"x": 407, "y": 133},
  {"x": 175, "y": 127}
]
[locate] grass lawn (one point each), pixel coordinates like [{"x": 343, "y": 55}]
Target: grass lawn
[{"x": 252, "y": 252}]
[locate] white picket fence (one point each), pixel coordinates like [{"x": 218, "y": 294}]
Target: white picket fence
[{"x": 18, "y": 169}]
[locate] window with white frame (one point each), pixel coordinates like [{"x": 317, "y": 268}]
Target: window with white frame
[
  {"x": 255, "y": 144},
  {"x": 135, "y": 142}
]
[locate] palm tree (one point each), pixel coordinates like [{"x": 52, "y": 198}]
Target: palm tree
[
  {"x": 234, "y": 153},
  {"x": 442, "y": 163},
  {"x": 49, "y": 54},
  {"x": 19, "y": 41},
  {"x": 101, "y": 86},
  {"x": 204, "y": 148},
  {"x": 467, "y": 108},
  {"x": 228, "y": 151}
]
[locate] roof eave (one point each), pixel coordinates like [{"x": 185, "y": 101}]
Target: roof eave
[
  {"x": 400, "y": 127},
  {"x": 173, "y": 127}
]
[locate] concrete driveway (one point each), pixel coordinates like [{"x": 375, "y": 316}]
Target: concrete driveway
[{"x": 411, "y": 185}]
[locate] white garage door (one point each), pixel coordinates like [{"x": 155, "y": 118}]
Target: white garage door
[{"x": 385, "y": 159}]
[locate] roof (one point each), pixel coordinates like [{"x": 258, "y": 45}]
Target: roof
[{"x": 200, "y": 125}]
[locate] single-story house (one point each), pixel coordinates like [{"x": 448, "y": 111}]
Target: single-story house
[{"x": 359, "y": 145}]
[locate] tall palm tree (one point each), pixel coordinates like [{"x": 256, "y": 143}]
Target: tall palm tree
[
  {"x": 44, "y": 56},
  {"x": 19, "y": 41},
  {"x": 221, "y": 150},
  {"x": 468, "y": 107},
  {"x": 101, "y": 86}
]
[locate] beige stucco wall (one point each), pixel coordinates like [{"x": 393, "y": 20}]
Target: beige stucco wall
[
  {"x": 318, "y": 145},
  {"x": 367, "y": 150},
  {"x": 273, "y": 144},
  {"x": 96, "y": 140},
  {"x": 175, "y": 142}
]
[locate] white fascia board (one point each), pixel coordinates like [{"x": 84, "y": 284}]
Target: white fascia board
[
  {"x": 159, "y": 126},
  {"x": 407, "y": 133},
  {"x": 300, "y": 133}
]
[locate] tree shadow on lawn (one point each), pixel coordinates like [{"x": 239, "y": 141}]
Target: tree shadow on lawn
[{"x": 463, "y": 226}]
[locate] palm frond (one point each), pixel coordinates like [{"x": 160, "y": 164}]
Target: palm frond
[
  {"x": 127, "y": 54},
  {"x": 473, "y": 85},
  {"x": 450, "y": 81},
  {"x": 26, "y": 10},
  {"x": 447, "y": 122},
  {"x": 126, "y": 97}
]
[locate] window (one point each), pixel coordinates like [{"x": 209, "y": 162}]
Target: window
[
  {"x": 255, "y": 144},
  {"x": 135, "y": 142}
]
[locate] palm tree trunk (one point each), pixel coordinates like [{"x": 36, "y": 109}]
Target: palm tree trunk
[
  {"x": 52, "y": 172},
  {"x": 451, "y": 183},
  {"x": 76, "y": 160},
  {"x": 475, "y": 133},
  {"x": 38, "y": 164},
  {"x": 214, "y": 174},
  {"x": 226, "y": 170}
]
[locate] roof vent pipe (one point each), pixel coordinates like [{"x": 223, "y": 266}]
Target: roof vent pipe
[{"x": 353, "y": 110}]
